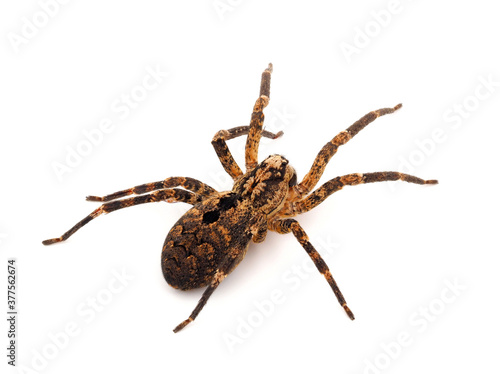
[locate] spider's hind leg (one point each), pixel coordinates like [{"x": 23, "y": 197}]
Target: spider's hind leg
[
  {"x": 228, "y": 263},
  {"x": 190, "y": 184},
  {"x": 169, "y": 195}
]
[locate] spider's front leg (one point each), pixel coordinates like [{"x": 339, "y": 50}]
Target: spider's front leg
[
  {"x": 257, "y": 120},
  {"x": 223, "y": 152},
  {"x": 330, "y": 148},
  {"x": 254, "y": 131},
  {"x": 169, "y": 195},
  {"x": 284, "y": 226},
  {"x": 336, "y": 184}
]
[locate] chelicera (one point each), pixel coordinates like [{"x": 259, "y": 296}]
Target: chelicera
[{"x": 211, "y": 239}]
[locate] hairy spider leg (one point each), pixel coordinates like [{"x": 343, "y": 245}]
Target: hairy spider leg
[
  {"x": 230, "y": 261},
  {"x": 223, "y": 152},
  {"x": 330, "y": 148},
  {"x": 333, "y": 185},
  {"x": 284, "y": 226},
  {"x": 257, "y": 121},
  {"x": 169, "y": 195},
  {"x": 244, "y": 130},
  {"x": 190, "y": 184}
]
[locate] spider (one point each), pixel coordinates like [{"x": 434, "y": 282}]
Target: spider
[{"x": 211, "y": 238}]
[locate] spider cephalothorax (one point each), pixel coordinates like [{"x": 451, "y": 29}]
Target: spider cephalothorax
[
  {"x": 267, "y": 184},
  {"x": 212, "y": 238}
]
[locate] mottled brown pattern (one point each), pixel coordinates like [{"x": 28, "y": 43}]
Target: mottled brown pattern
[
  {"x": 225, "y": 232},
  {"x": 212, "y": 238}
]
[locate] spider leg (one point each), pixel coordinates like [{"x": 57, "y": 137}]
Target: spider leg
[
  {"x": 229, "y": 262},
  {"x": 190, "y": 184},
  {"x": 284, "y": 226},
  {"x": 257, "y": 120},
  {"x": 336, "y": 184},
  {"x": 330, "y": 148},
  {"x": 244, "y": 130},
  {"x": 169, "y": 195},
  {"x": 223, "y": 152}
]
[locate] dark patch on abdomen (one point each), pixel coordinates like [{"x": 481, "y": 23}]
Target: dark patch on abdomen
[
  {"x": 211, "y": 217},
  {"x": 228, "y": 202}
]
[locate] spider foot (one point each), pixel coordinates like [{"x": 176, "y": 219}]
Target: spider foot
[
  {"x": 52, "y": 241},
  {"x": 278, "y": 134},
  {"x": 348, "y": 311},
  {"x": 94, "y": 198},
  {"x": 183, "y": 324}
]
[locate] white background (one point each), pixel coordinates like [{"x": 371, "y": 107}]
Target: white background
[{"x": 394, "y": 248}]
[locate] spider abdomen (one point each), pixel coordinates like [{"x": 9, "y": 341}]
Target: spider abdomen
[{"x": 202, "y": 237}]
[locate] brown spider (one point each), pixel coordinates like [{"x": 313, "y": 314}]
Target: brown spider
[{"x": 211, "y": 239}]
